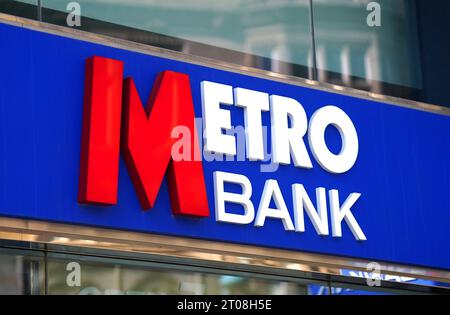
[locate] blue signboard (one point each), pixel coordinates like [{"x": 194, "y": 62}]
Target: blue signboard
[{"x": 402, "y": 170}]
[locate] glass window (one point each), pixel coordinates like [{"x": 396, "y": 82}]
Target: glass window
[
  {"x": 71, "y": 274},
  {"x": 95, "y": 272},
  {"x": 21, "y": 273},
  {"x": 354, "y": 51},
  {"x": 23, "y": 8},
  {"x": 272, "y": 35},
  {"x": 405, "y": 56}
]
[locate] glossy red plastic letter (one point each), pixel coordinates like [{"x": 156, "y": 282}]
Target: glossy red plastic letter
[
  {"x": 100, "y": 142},
  {"x": 147, "y": 144}
]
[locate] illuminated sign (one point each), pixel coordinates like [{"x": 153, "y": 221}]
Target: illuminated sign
[
  {"x": 216, "y": 154},
  {"x": 148, "y": 142}
]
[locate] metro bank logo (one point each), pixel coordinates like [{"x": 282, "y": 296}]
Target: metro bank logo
[
  {"x": 142, "y": 134},
  {"x": 115, "y": 120}
]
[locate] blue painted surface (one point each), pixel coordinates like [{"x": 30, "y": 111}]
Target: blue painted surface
[{"x": 402, "y": 171}]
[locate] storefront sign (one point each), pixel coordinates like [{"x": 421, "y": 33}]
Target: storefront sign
[
  {"x": 149, "y": 141},
  {"x": 216, "y": 155}
]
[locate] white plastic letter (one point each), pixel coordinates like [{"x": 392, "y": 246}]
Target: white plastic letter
[
  {"x": 333, "y": 163},
  {"x": 288, "y": 141},
  {"x": 243, "y": 199},
  {"x": 339, "y": 213},
  {"x": 319, "y": 217},
  {"x": 253, "y": 103},
  {"x": 272, "y": 190},
  {"x": 216, "y": 118}
]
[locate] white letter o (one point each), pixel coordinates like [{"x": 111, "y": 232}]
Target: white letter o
[{"x": 333, "y": 163}]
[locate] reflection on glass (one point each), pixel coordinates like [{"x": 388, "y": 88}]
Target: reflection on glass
[
  {"x": 278, "y": 31},
  {"x": 20, "y": 274},
  {"x": 350, "y": 52},
  {"x": 28, "y": 1},
  {"x": 343, "y": 290},
  {"x": 23, "y": 8},
  {"x": 272, "y": 35},
  {"x": 112, "y": 277}
]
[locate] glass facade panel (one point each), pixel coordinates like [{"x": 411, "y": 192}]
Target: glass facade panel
[
  {"x": 37, "y": 269},
  {"x": 352, "y": 51},
  {"x": 28, "y": 1},
  {"x": 21, "y": 273},
  {"x": 23, "y": 8},
  {"x": 272, "y": 35},
  {"x": 330, "y": 42},
  {"x": 108, "y": 276}
]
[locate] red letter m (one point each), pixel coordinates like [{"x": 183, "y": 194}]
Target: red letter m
[{"x": 143, "y": 134}]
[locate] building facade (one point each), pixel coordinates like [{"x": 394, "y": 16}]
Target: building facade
[{"x": 94, "y": 199}]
